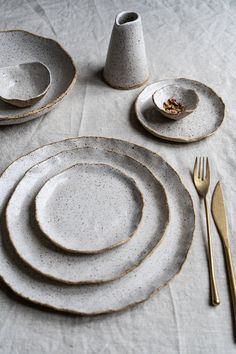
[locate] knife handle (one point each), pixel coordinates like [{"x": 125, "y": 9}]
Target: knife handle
[
  {"x": 231, "y": 276},
  {"x": 215, "y": 298}
]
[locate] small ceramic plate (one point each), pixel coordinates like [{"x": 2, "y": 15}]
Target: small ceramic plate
[
  {"x": 18, "y": 47},
  {"x": 201, "y": 123},
  {"x": 163, "y": 264},
  {"x": 89, "y": 208},
  {"x": 102, "y": 267}
]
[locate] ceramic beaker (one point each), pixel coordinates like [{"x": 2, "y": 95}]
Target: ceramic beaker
[{"x": 126, "y": 64}]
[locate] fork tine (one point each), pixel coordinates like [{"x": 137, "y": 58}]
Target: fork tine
[
  {"x": 207, "y": 169},
  {"x": 203, "y": 168},
  {"x": 200, "y": 168},
  {"x": 195, "y": 171}
]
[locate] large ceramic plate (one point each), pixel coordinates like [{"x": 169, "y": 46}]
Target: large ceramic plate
[
  {"x": 203, "y": 122},
  {"x": 73, "y": 269},
  {"x": 18, "y": 46},
  {"x": 159, "y": 268},
  {"x": 89, "y": 208}
]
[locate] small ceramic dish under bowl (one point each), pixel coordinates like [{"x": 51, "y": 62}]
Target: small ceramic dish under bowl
[
  {"x": 23, "y": 85},
  {"x": 175, "y": 102},
  {"x": 200, "y": 124},
  {"x": 19, "y": 46}
]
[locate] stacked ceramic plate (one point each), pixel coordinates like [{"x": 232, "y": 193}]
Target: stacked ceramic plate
[{"x": 92, "y": 225}]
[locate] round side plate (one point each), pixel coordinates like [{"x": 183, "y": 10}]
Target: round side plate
[{"x": 201, "y": 123}]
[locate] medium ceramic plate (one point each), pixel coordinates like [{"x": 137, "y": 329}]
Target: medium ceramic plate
[
  {"x": 103, "y": 267},
  {"x": 18, "y": 47},
  {"x": 89, "y": 208},
  {"x": 201, "y": 123},
  {"x": 159, "y": 268}
]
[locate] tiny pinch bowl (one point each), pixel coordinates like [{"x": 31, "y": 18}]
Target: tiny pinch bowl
[
  {"x": 24, "y": 84},
  {"x": 187, "y": 98}
]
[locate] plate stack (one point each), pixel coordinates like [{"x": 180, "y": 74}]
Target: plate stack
[{"x": 92, "y": 225}]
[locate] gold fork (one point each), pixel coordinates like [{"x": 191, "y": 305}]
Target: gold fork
[{"x": 201, "y": 178}]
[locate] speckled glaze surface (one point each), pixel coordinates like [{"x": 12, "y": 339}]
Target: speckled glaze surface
[
  {"x": 201, "y": 123},
  {"x": 160, "y": 267},
  {"x": 89, "y": 208},
  {"x": 188, "y": 98},
  {"x": 103, "y": 267},
  {"x": 24, "y": 84},
  {"x": 18, "y": 46},
  {"x": 126, "y": 64}
]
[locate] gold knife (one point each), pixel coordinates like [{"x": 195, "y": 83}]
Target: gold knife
[{"x": 220, "y": 218}]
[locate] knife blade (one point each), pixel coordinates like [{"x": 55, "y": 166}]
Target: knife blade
[
  {"x": 219, "y": 214},
  {"x": 220, "y": 217}
]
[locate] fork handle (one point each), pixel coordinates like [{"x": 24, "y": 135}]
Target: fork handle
[{"x": 215, "y": 299}]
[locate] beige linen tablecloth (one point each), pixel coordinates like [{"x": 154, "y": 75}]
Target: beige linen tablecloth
[{"x": 193, "y": 39}]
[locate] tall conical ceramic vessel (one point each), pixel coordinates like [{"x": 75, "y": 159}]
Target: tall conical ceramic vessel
[{"x": 126, "y": 64}]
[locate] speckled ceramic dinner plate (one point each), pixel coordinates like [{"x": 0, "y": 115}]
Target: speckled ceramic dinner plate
[
  {"x": 17, "y": 47},
  {"x": 163, "y": 264},
  {"x": 103, "y": 267},
  {"x": 89, "y": 208},
  {"x": 201, "y": 123}
]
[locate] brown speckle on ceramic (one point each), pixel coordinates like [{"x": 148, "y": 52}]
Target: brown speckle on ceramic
[
  {"x": 187, "y": 98},
  {"x": 89, "y": 208},
  {"x": 201, "y": 123},
  {"x": 103, "y": 267},
  {"x": 159, "y": 268},
  {"x": 126, "y": 64},
  {"x": 46, "y": 51},
  {"x": 24, "y": 84}
]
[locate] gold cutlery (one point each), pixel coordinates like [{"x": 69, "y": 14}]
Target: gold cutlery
[
  {"x": 220, "y": 218},
  {"x": 201, "y": 178}
]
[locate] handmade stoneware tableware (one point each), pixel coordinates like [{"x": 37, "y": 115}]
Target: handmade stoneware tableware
[
  {"x": 24, "y": 84},
  {"x": 181, "y": 101},
  {"x": 89, "y": 208},
  {"x": 18, "y": 46},
  {"x": 103, "y": 267},
  {"x": 163, "y": 264},
  {"x": 201, "y": 123},
  {"x": 126, "y": 64}
]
